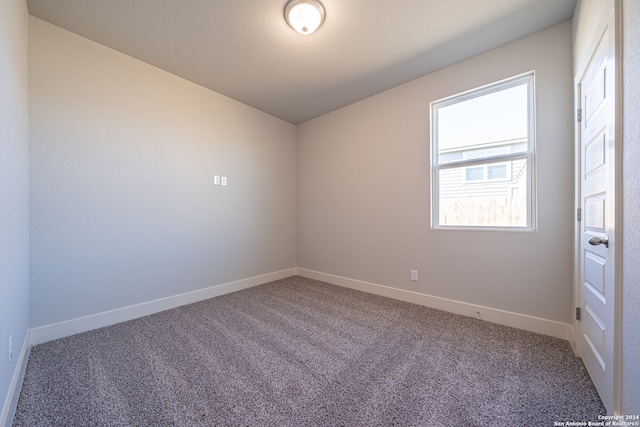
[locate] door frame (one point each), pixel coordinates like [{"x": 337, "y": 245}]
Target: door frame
[{"x": 610, "y": 20}]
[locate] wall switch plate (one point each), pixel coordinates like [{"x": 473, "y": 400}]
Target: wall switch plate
[
  {"x": 223, "y": 180},
  {"x": 414, "y": 275},
  {"x": 216, "y": 179}
]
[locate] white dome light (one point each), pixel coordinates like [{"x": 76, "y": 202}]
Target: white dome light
[{"x": 304, "y": 16}]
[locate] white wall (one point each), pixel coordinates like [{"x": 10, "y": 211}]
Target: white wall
[
  {"x": 123, "y": 206},
  {"x": 631, "y": 216},
  {"x": 363, "y": 191},
  {"x": 14, "y": 192},
  {"x": 589, "y": 14}
]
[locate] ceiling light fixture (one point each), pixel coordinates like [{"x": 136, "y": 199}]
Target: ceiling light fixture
[{"x": 304, "y": 16}]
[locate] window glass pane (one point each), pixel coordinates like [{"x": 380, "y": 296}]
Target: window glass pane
[
  {"x": 498, "y": 119},
  {"x": 497, "y": 171},
  {"x": 474, "y": 154},
  {"x": 502, "y": 149},
  {"x": 475, "y": 173},
  {"x": 490, "y": 203},
  {"x": 447, "y": 157}
]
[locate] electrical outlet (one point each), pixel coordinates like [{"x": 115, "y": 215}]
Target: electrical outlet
[
  {"x": 414, "y": 275},
  {"x": 10, "y": 348},
  {"x": 477, "y": 315},
  {"x": 223, "y": 180}
]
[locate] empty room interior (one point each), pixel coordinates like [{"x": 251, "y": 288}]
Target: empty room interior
[{"x": 403, "y": 213}]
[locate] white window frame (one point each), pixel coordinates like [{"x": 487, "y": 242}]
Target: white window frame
[{"x": 529, "y": 155}]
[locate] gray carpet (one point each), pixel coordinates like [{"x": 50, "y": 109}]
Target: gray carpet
[{"x": 299, "y": 352}]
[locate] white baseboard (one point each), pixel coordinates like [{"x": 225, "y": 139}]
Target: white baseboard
[
  {"x": 11, "y": 402},
  {"x": 520, "y": 321},
  {"x": 51, "y": 332}
]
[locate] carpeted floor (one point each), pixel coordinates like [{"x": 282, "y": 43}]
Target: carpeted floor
[{"x": 299, "y": 352}]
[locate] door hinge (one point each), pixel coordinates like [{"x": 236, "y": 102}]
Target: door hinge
[
  {"x": 577, "y": 313},
  {"x": 579, "y": 214},
  {"x": 579, "y": 114}
]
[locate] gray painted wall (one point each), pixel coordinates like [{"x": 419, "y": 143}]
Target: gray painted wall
[
  {"x": 363, "y": 191},
  {"x": 123, "y": 206},
  {"x": 630, "y": 212},
  {"x": 14, "y": 188}
]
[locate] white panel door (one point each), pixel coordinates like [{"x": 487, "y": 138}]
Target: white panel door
[{"x": 597, "y": 194}]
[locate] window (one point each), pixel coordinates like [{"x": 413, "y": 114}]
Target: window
[
  {"x": 482, "y": 145},
  {"x": 487, "y": 173}
]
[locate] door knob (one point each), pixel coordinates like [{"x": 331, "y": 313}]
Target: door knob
[{"x": 595, "y": 241}]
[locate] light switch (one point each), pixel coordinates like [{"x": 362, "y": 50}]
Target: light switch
[{"x": 216, "y": 179}]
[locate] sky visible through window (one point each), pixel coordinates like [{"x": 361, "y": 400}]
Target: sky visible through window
[{"x": 498, "y": 116}]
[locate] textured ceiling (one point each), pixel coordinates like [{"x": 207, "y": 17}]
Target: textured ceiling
[{"x": 245, "y": 50}]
